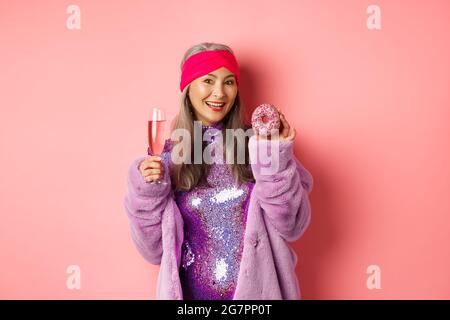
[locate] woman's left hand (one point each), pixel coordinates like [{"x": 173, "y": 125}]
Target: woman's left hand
[{"x": 286, "y": 132}]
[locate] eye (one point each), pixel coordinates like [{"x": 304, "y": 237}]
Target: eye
[
  {"x": 207, "y": 80},
  {"x": 230, "y": 82}
]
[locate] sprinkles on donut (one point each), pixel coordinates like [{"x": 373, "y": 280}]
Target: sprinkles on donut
[{"x": 265, "y": 118}]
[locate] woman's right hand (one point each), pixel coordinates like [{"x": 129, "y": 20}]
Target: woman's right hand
[{"x": 151, "y": 168}]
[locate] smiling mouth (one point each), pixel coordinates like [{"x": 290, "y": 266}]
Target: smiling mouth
[{"x": 215, "y": 106}]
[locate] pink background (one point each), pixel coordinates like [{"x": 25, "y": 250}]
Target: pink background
[{"x": 371, "y": 109}]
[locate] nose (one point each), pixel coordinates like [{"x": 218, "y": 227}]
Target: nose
[{"x": 218, "y": 91}]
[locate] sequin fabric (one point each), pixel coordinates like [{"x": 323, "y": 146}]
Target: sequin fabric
[{"x": 214, "y": 223}]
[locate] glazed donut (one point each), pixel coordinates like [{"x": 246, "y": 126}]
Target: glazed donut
[{"x": 265, "y": 118}]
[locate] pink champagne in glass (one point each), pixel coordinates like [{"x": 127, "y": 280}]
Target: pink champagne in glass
[{"x": 156, "y": 137}]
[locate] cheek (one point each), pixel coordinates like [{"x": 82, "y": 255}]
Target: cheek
[
  {"x": 198, "y": 94},
  {"x": 203, "y": 91},
  {"x": 231, "y": 91}
]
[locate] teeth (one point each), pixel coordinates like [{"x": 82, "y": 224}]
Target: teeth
[{"x": 215, "y": 104}]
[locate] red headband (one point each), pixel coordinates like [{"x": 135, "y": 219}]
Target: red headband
[{"x": 204, "y": 62}]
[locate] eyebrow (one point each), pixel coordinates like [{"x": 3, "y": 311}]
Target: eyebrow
[{"x": 212, "y": 75}]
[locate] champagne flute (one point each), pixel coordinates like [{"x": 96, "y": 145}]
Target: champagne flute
[{"x": 156, "y": 135}]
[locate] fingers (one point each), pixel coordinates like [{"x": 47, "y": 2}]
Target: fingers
[
  {"x": 286, "y": 126},
  {"x": 150, "y": 162},
  {"x": 153, "y": 174},
  {"x": 292, "y": 134},
  {"x": 153, "y": 158},
  {"x": 152, "y": 178},
  {"x": 151, "y": 168},
  {"x": 152, "y": 171},
  {"x": 151, "y": 165}
]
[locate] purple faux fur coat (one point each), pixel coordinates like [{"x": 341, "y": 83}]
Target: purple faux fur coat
[{"x": 279, "y": 212}]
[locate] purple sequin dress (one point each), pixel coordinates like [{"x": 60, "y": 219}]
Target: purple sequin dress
[{"x": 214, "y": 223}]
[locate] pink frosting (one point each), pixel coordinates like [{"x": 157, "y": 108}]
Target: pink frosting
[{"x": 265, "y": 118}]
